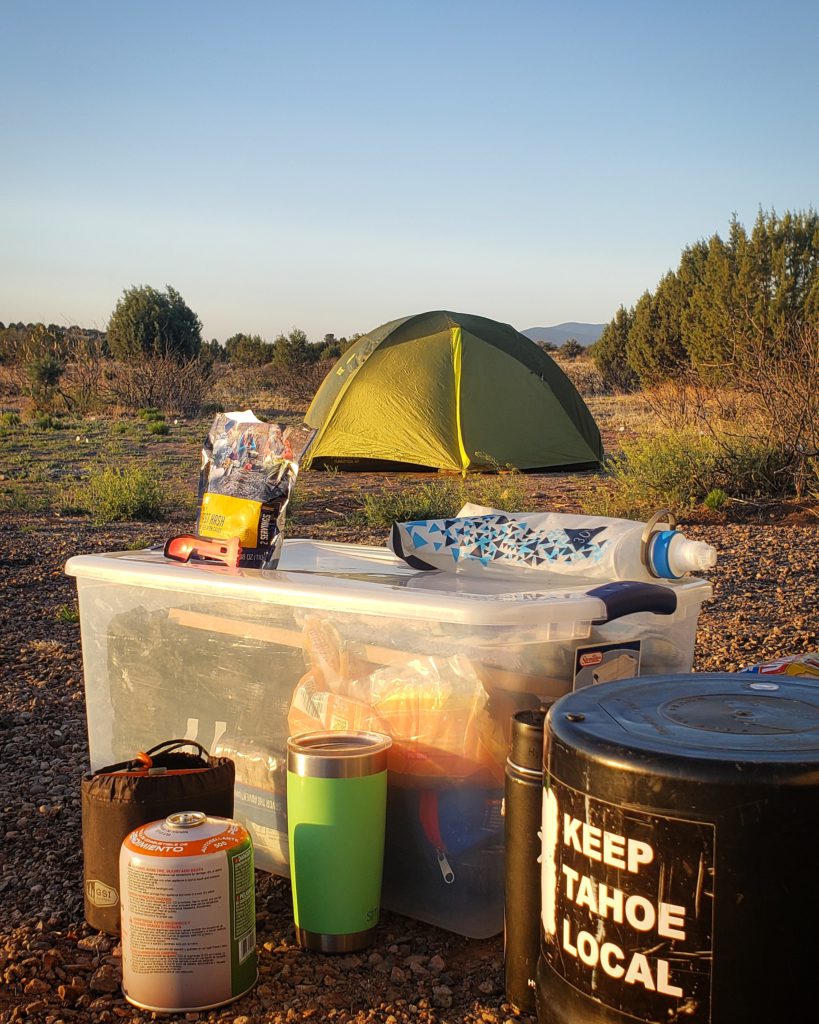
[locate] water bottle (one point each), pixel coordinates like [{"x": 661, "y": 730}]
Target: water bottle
[
  {"x": 522, "y": 809},
  {"x": 481, "y": 540}
]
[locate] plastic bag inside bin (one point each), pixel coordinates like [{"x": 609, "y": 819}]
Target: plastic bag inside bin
[{"x": 435, "y": 709}]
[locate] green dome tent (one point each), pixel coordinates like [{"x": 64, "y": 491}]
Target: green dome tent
[{"x": 450, "y": 391}]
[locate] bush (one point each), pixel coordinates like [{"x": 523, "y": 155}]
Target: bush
[
  {"x": 9, "y": 419},
  {"x": 152, "y": 385},
  {"x": 45, "y": 421},
  {"x": 437, "y": 499},
  {"x": 680, "y": 469},
  {"x": 442, "y": 498},
  {"x": 158, "y": 427},
  {"x": 120, "y": 494},
  {"x": 149, "y": 324}
]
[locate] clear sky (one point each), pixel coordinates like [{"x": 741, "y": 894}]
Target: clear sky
[{"x": 332, "y": 165}]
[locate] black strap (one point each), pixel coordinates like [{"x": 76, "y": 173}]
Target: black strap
[{"x": 167, "y": 747}]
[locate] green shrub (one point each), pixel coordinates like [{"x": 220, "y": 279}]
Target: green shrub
[
  {"x": 17, "y": 498},
  {"x": 680, "y": 469},
  {"x": 67, "y": 613},
  {"x": 45, "y": 421},
  {"x": 9, "y": 419},
  {"x": 116, "y": 494},
  {"x": 715, "y": 499},
  {"x": 441, "y": 498},
  {"x": 151, "y": 413},
  {"x": 158, "y": 427},
  {"x": 504, "y": 491}
]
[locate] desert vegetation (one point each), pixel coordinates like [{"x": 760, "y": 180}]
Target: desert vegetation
[{"x": 707, "y": 392}]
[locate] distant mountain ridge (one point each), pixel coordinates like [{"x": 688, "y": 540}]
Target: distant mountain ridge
[{"x": 586, "y": 334}]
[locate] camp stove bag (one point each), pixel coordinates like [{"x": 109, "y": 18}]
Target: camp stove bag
[{"x": 119, "y": 798}]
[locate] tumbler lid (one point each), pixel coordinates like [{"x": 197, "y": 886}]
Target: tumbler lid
[
  {"x": 337, "y": 755},
  {"x": 527, "y": 740}
]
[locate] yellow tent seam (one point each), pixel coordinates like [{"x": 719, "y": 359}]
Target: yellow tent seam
[{"x": 457, "y": 349}]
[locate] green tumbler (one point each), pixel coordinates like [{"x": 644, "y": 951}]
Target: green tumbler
[{"x": 336, "y": 807}]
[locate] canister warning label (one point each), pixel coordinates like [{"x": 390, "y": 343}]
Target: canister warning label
[{"x": 627, "y": 902}]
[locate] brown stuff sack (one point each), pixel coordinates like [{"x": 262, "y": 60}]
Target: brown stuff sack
[{"x": 121, "y": 797}]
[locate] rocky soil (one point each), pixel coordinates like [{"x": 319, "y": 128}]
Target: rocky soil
[{"x": 56, "y": 969}]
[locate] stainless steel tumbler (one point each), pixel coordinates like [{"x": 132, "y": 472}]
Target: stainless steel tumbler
[{"x": 336, "y": 809}]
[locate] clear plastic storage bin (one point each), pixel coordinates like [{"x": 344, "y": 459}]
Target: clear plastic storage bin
[{"x": 345, "y": 636}]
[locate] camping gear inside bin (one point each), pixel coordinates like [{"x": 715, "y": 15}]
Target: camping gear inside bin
[
  {"x": 680, "y": 831},
  {"x": 188, "y": 913},
  {"x": 522, "y": 814},
  {"x": 120, "y": 797}
]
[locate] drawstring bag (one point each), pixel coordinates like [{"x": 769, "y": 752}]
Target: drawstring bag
[{"x": 121, "y": 797}]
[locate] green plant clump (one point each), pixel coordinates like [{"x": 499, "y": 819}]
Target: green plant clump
[
  {"x": 151, "y": 413},
  {"x": 158, "y": 428},
  {"x": 9, "y": 419},
  {"x": 67, "y": 613},
  {"x": 681, "y": 469},
  {"x": 442, "y": 498},
  {"x": 120, "y": 494},
  {"x": 715, "y": 499},
  {"x": 45, "y": 421}
]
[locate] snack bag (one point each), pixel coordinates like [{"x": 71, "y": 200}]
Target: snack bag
[
  {"x": 804, "y": 665},
  {"x": 248, "y": 471}
]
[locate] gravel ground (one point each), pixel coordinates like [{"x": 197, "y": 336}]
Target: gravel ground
[{"x": 54, "y": 968}]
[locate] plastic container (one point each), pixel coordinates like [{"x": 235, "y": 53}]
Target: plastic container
[{"x": 215, "y": 654}]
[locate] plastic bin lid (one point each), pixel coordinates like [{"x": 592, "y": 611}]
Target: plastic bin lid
[{"x": 356, "y": 579}]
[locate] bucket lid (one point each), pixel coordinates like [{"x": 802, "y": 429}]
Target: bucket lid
[{"x": 704, "y": 717}]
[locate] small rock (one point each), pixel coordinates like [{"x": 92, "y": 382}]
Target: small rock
[
  {"x": 442, "y": 996},
  {"x": 437, "y": 963},
  {"x": 36, "y": 987},
  {"x": 397, "y": 976},
  {"x": 105, "y": 979},
  {"x": 69, "y": 993},
  {"x": 99, "y": 943},
  {"x": 241, "y": 1020}
]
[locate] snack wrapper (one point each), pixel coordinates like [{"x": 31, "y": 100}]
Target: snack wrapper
[
  {"x": 804, "y": 665},
  {"x": 248, "y": 471}
]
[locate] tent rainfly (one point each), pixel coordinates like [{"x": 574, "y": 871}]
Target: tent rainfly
[{"x": 450, "y": 391}]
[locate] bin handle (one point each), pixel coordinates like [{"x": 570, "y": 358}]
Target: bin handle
[{"x": 626, "y": 597}]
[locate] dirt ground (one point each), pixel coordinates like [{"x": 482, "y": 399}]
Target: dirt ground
[{"x": 54, "y": 968}]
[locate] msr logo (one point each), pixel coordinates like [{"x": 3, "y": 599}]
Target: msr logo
[{"x": 100, "y": 894}]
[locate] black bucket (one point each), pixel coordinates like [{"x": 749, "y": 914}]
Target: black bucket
[{"x": 679, "y": 858}]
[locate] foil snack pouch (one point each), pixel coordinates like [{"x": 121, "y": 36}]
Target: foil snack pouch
[{"x": 248, "y": 471}]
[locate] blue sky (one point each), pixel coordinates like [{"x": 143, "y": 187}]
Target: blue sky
[{"x": 333, "y": 165}]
